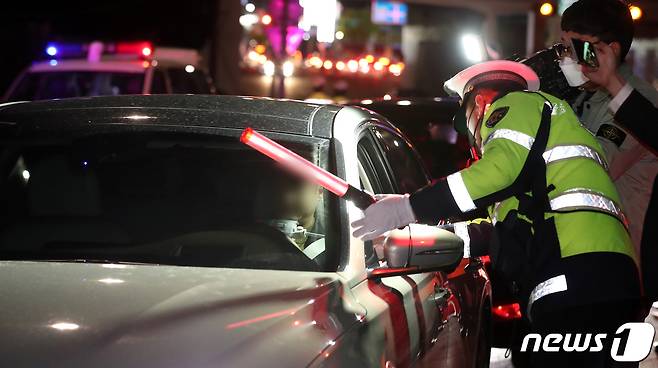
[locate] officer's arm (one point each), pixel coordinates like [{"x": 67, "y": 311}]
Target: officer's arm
[
  {"x": 489, "y": 180},
  {"x": 476, "y": 235}
]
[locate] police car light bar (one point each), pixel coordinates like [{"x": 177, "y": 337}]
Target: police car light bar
[
  {"x": 62, "y": 50},
  {"x": 305, "y": 168}
]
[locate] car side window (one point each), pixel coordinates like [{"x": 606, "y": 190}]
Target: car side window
[
  {"x": 158, "y": 84},
  {"x": 373, "y": 167},
  {"x": 183, "y": 81},
  {"x": 406, "y": 168},
  {"x": 374, "y": 178},
  {"x": 202, "y": 82}
]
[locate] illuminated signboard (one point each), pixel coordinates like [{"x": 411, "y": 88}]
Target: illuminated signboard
[{"x": 388, "y": 12}]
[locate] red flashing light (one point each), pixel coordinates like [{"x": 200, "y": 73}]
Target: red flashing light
[
  {"x": 143, "y": 49},
  {"x": 507, "y": 311},
  {"x": 294, "y": 162}
]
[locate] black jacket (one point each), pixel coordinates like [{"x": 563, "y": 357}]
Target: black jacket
[{"x": 640, "y": 117}]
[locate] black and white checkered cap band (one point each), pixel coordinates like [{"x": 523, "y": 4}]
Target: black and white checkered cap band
[{"x": 492, "y": 76}]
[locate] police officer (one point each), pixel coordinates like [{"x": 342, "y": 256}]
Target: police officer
[{"x": 562, "y": 238}]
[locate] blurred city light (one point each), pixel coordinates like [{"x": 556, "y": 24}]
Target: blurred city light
[
  {"x": 288, "y": 68},
  {"x": 340, "y": 35},
  {"x": 51, "y": 50},
  {"x": 472, "y": 48},
  {"x": 316, "y": 62},
  {"x": 546, "y": 9},
  {"x": 322, "y": 14},
  {"x": 328, "y": 64},
  {"x": 636, "y": 12},
  {"x": 268, "y": 68},
  {"x": 353, "y": 66},
  {"x": 340, "y": 65},
  {"x": 189, "y": 68},
  {"x": 146, "y": 51},
  {"x": 250, "y": 7},
  {"x": 266, "y": 19},
  {"x": 248, "y": 20}
]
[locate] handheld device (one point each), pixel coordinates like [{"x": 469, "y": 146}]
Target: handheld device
[{"x": 585, "y": 52}]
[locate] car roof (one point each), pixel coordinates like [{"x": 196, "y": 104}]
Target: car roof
[
  {"x": 179, "y": 112},
  {"x": 82, "y": 65}
]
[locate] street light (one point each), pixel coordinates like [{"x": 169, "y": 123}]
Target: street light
[
  {"x": 636, "y": 12},
  {"x": 472, "y": 46},
  {"x": 546, "y": 9}
]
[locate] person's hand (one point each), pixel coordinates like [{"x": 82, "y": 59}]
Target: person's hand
[
  {"x": 606, "y": 74},
  {"x": 391, "y": 211}
]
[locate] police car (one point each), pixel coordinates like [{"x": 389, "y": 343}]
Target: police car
[
  {"x": 97, "y": 68},
  {"x": 139, "y": 231}
]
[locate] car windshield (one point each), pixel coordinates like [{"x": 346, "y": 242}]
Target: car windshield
[
  {"x": 48, "y": 85},
  {"x": 191, "y": 200}
]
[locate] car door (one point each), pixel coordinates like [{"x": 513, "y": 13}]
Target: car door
[
  {"x": 417, "y": 304},
  {"x": 458, "y": 293}
]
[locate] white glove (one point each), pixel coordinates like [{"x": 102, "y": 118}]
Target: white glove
[{"x": 390, "y": 211}]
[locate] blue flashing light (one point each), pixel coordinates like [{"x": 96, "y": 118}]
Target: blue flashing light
[{"x": 51, "y": 50}]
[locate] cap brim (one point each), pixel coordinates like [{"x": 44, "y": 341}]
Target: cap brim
[{"x": 456, "y": 84}]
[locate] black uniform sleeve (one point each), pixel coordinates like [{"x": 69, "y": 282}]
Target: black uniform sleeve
[
  {"x": 636, "y": 114},
  {"x": 424, "y": 203},
  {"x": 480, "y": 238}
]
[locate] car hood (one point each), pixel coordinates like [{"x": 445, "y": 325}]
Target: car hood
[{"x": 80, "y": 314}]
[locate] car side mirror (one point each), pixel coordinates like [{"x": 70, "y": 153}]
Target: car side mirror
[{"x": 418, "y": 249}]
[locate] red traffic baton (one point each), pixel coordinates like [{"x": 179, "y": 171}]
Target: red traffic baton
[{"x": 306, "y": 169}]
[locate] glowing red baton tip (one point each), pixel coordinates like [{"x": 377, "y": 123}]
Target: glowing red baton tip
[
  {"x": 293, "y": 162},
  {"x": 246, "y": 135}
]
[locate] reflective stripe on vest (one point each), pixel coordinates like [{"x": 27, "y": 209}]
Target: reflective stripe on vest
[
  {"x": 585, "y": 199},
  {"x": 559, "y": 153},
  {"x": 553, "y": 285},
  {"x": 517, "y": 137},
  {"x": 461, "y": 230},
  {"x": 552, "y": 155},
  {"x": 460, "y": 192},
  {"x": 573, "y": 199}
]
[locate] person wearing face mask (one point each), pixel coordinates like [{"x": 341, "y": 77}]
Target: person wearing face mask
[
  {"x": 559, "y": 228},
  {"x": 632, "y": 166},
  {"x": 630, "y": 107}
]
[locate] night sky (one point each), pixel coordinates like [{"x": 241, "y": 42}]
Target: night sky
[{"x": 25, "y": 27}]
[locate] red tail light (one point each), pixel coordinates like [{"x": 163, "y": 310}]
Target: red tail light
[{"x": 507, "y": 311}]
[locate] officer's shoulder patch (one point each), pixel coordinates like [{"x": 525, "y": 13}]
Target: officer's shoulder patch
[
  {"x": 496, "y": 116},
  {"x": 611, "y": 133}
]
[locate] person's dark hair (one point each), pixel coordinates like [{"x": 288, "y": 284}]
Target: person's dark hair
[{"x": 609, "y": 20}]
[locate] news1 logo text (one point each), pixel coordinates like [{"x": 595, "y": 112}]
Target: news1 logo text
[{"x": 631, "y": 342}]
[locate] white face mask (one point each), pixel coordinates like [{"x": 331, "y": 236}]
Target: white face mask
[
  {"x": 292, "y": 230},
  {"x": 573, "y": 72}
]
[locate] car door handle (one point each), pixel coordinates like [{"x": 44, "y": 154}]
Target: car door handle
[
  {"x": 473, "y": 265},
  {"x": 441, "y": 296}
]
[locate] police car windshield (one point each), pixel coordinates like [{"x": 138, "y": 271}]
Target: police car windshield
[
  {"x": 196, "y": 200},
  {"x": 63, "y": 84}
]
